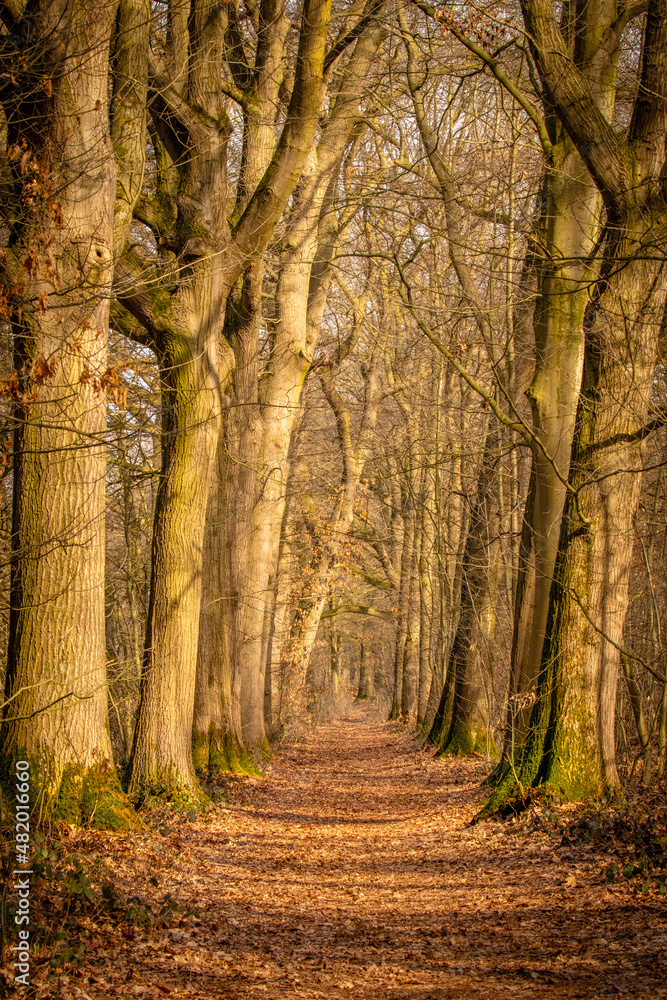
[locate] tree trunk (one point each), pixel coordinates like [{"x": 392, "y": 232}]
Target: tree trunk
[
  {"x": 271, "y": 412},
  {"x": 469, "y": 730},
  {"x": 635, "y": 696},
  {"x": 303, "y": 632},
  {"x": 571, "y": 742},
  {"x": 162, "y": 753},
  {"x": 366, "y": 675},
  {"x": 425, "y": 679},
  {"x": 403, "y": 602},
  {"x": 276, "y": 662},
  {"x": 452, "y": 532},
  {"x": 572, "y": 220},
  {"x": 409, "y": 690},
  {"x": 192, "y": 215},
  {"x": 216, "y": 741},
  {"x": 335, "y": 667},
  {"x": 56, "y": 712}
]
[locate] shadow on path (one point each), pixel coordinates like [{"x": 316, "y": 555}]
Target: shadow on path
[{"x": 352, "y": 873}]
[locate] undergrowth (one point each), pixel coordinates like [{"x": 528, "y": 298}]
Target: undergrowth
[
  {"x": 632, "y": 838},
  {"x": 73, "y": 894}
]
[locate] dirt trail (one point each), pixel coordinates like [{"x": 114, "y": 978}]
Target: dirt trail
[{"x": 351, "y": 873}]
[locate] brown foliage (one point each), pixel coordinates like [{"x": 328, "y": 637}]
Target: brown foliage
[{"x": 350, "y": 870}]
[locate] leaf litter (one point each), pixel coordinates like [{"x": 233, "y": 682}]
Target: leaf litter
[{"x": 350, "y": 870}]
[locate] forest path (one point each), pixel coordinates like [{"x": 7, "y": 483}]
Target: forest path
[{"x": 351, "y": 873}]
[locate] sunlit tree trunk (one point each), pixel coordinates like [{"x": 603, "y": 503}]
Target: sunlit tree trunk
[
  {"x": 262, "y": 422},
  {"x": 571, "y": 204},
  {"x": 276, "y": 665},
  {"x": 426, "y": 625},
  {"x": 409, "y": 689},
  {"x": 64, "y": 188},
  {"x": 335, "y": 665},
  {"x": 403, "y": 600},
  {"x": 216, "y": 737},
  {"x": 571, "y": 223},
  {"x": 571, "y": 741},
  {"x": 162, "y": 755},
  {"x": 185, "y": 325}
]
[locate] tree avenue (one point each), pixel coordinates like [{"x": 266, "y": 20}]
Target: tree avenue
[{"x": 332, "y": 368}]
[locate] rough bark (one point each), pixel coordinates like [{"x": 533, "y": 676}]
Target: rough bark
[
  {"x": 216, "y": 738},
  {"x": 470, "y": 726},
  {"x": 129, "y": 109},
  {"x": 57, "y": 289},
  {"x": 572, "y": 206},
  {"x": 189, "y": 217},
  {"x": 571, "y": 743},
  {"x": 261, "y": 426}
]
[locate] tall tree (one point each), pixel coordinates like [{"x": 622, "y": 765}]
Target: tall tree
[
  {"x": 266, "y": 390},
  {"x": 203, "y": 249},
  {"x": 572, "y": 736},
  {"x": 469, "y": 670},
  {"x": 59, "y": 203},
  {"x": 563, "y": 255}
]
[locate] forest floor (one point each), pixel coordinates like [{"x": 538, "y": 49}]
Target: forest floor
[{"x": 350, "y": 871}]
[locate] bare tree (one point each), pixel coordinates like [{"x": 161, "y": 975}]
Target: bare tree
[{"x": 59, "y": 203}]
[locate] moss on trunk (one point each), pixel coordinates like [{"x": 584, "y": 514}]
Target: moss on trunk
[
  {"x": 77, "y": 795},
  {"x": 93, "y": 797},
  {"x": 218, "y": 752},
  {"x": 441, "y": 722},
  {"x": 463, "y": 739}
]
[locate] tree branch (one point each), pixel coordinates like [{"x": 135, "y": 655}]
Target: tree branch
[
  {"x": 602, "y": 150},
  {"x": 127, "y": 324},
  {"x": 356, "y": 609},
  {"x": 489, "y": 60},
  {"x": 271, "y": 195},
  {"x": 373, "y": 8},
  {"x": 128, "y": 111},
  {"x": 11, "y": 12},
  {"x": 139, "y": 288},
  {"x": 237, "y": 59},
  {"x": 649, "y": 115}
]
